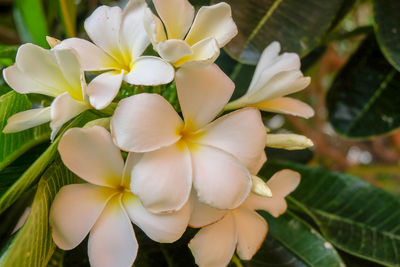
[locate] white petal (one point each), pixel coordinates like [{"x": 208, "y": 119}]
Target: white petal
[
  {"x": 286, "y": 105},
  {"x": 64, "y": 108},
  {"x": 220, "y": 179},
  {"x": 241, "y": 133},
  {"x": 202, "y": 93},
  {"x": 213, "y": 21},
  {"x": 91, "y": 154},
  {"x": 281, "y": 184},
  {"x": 92, "y": 57},
  {"x": 153, "y": 27},
  {"x": 268, "y": 57},
  {"x": 112, "y": 241},
  {"x": 130, "y": 162},
  {"x": 71, "y": 69},
  {"x": 284, "y": 83},
  {"x": 177, "y": 16},
  {"x": 148, "y": 70},
  {"x": 273, "y": 66},
  {"x": 163, "y": 228},
  {"x": 27, "y": 119},
  {"x": 173, "y": 50},
  {"x": 260, "y": 163},
  {"x": 133, "y": 37},
  {"x": 41, "y": 65},
  {"x": 104, "y": 88},
  {"x": 167, "y": 174},
  {"x": 202, "y": 214},
  {"x": 214, "y": 245},
  {"x": 103, "y": 28},
  {"x": 74, "y": 211},
  {"x": 23, "y": 84},
  {"x": 251, "y": 230},
  {"x": 205, "y": 53},
  {"x": 145, "y": 122}
]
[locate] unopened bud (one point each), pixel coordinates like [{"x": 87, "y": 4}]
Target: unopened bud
[
  {"x": 52, "y": 41},
  {"x": 260, "y": 187},
  {"x": 288, "y": 141}
]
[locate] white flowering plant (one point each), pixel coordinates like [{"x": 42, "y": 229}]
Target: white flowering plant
[{"x": 142, "y": 139}]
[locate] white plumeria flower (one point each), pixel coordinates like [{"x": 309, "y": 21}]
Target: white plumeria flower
[
  {"x": 119, "y": 42},
  {"x": 186, "y": 42},
  {"x": 275, "y": 77},
  {"x": 241, "y": 229},
  {"x": 56, "y": 73},
  {"x": 105, "y": 206},
  {"x": 215, "y": 156}
]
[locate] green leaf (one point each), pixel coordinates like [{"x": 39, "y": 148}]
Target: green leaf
[
  {"x": 31, "y": 175},
  {"x": 364, "y": 98},
  {"x": 8, "y": 51},
  {"x": 31, "y": 21},
  {"x": 387, "y": 29},
  {"x": 33, "y": 244},
  {"x": 15, "y": 144},
  {"x": 298, "y": 25},
  {"x": 308, "y": 245},
  {"x": 353, "y": 215}
]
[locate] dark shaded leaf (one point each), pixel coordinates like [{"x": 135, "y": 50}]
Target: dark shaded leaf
[
  {"x": 387, "y": 29},
  {"x": 353, "y": 215},
  {"x": 298, "y": 25},
  {"x": 364, "y": 98}
]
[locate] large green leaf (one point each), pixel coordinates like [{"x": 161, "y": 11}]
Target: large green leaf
[
  {"x": 387, "y": 29},
  {"x": 33, "y": 244},
  {"x": 31, "y": 21},
  {"x": 14, "y": 145},
  {"x": 298, "y": 25},
  {"x": 351, "y": 214},
  {"x": 39, "y": 166},
  {"x": 364, "y": 98}
]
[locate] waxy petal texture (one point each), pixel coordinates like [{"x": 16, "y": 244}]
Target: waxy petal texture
[
  {"x": 219, "y": 178},
  {"x": 164, "y": 228},
  {"x": 27, "y": 119},
  {"x": 214, "y": 245},
  {"x": 75, "y": 210},
  {"x": 104, "y": 88},
  {"x": 91, "y": 154},
  {"x": 202, "y": 214},
  {"x": 163, "y": 178},
  {"x": 202, "y": 93},
  {"x": 112, "y": 241},
  {"x": 286, "y": 105},
  {"x": 145, "y": 122},
  {"x": 213, "y": 21}
]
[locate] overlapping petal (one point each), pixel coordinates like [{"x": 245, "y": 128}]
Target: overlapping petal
[
  {"x": 286, "y": 105},
  {"x": 154, "y": 28},
  {"x": 177, "y": 16},
  {"x": 174, "y": 49},
  {"x": 164, "y": 228},
  {"x": 219, "y": 178},
  {"x": 63, "y": 109},
  {"x": 104, "y": 88},
  {"x": 240, "y": 133},
  {"x": 251, "y": 231},
  {"x": 91, "y": 154},
  {"x": 112, "y": 241},
  {"x": 92, "y": 57},
  {"x": 205, "y": 53},
  {"x": 167, "y": 174},
  {"x": 202, "y": 214},
  {"x": 213, "y": 21},
  {"x": 215, "y": 244},
  {"x": 145, "y": 122},
  {"x": 202, "y": 93},
  {"x": 27, "y": 119},
  {"x": 75, "y": 210},
  {"x": 149, "y": 70}
]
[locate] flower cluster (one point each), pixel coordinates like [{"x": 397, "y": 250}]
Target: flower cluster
[{"x": 190, "y": 167}]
